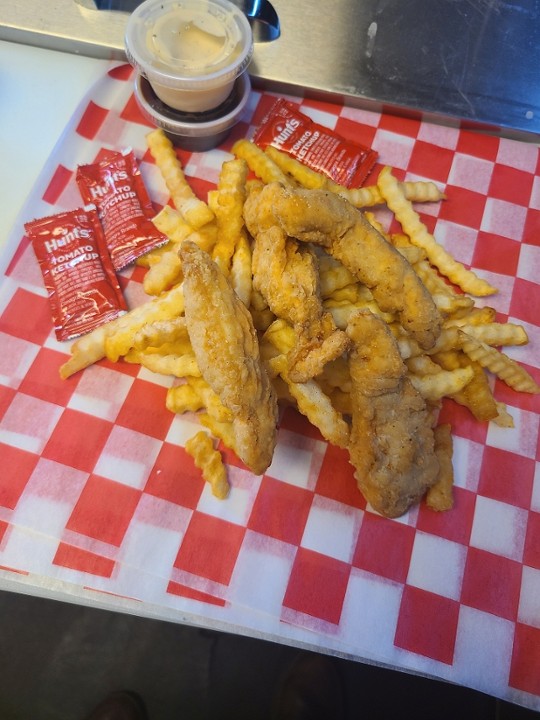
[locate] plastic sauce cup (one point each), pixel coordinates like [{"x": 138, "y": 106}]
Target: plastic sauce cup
[{"x": 190, "y": 51}]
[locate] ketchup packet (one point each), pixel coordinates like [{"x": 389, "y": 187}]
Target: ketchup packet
[
  {"x": 115, "y": 186},
  {"x": 317, "y": 147},
  {"x": 81, "y": 284}
]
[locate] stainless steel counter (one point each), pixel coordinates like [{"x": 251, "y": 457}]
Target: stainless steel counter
[{"x": 470, "y": 61}]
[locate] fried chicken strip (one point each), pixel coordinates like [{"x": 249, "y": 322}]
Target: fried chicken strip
[
  {"x": 329, "y": 220},
  {"x": 392, "y": 446},
  {"x": 227, "y": 352},
  {"x": 287, "y": 276}
]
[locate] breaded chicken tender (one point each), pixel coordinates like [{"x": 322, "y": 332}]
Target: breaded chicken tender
[
  {"x": 286, "y": 274},
  {"x": 392, "y": 445},
  {"x": 329, "y": 220},
  {"x": 227, "y": 351}
]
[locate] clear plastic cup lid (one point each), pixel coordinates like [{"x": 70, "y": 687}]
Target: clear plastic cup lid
[{"x": 189, "y": 44}]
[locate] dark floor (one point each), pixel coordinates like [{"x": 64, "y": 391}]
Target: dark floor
[{"x": 59, "y": 660}]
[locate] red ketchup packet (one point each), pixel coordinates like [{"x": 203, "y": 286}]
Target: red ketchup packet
[
  {"x": 82, "y": 286},
  {"x": 115, "y": 186},
  {"x": 317, "y": 147}
]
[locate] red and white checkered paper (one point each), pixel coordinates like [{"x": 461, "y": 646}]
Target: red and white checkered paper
[{"x": 97, "y": 492}]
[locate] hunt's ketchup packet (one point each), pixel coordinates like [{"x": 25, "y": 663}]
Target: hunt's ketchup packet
[
  {"x": 115, "y": 186},
  {"x": 81, "y": 284},
  {"x": 317, "y": 147}
]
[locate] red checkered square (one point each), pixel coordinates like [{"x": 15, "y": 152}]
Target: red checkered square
[
  {"x": 78, "y": 440},
  {"x": 336, "y": 479},
  {"x": 431, "y": 161},
  {"x": 35, "y": 310},
  {"x": 394, "y": 543},
  {"x": 531, "y": 551},
  {"x": 17, "y": 467},
  {"x": 505, "y": 260},
  {"x": 525, "y": 302},
  {"x": 57, "y": 185},
  {"x": 123, "y": 72},
  {"x": 511, "y": 184},
  {"x": 507, "y": 477},
  {"x": 104, "y": 510},
  {"x": 357, "y": 133},
  {"x": 478, "y": 145},
  {"x": 3, "y": 531},
  {"x": 43, "y": 380},
  {"x": 83, "y": 561},
  {"x": 131, "y": 112},
  {"x": 491, "y": 583},
  {"x": 6, "y": 398},
  {"x": 144, "y": 409},
  {"x": 463, "y": 207},
  {"x": 317, "y": 585},
  {"x": 427, "y": 624},
  {"x": 175, "y": 588},
  {"x": 454, "y": 524},
  {"x": 175, "y": 478},
  {"x": 401, "y": 125},
  {"x": 280, "y": 510},
  {"x": 531, "y": 230},
  {"x": 210, "y": 548},
  {"x": 524, "y": 673},
  {"x": 93, "y": 118}
]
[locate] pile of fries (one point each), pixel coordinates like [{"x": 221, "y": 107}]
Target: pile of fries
[{"x": 460, "y": 365}]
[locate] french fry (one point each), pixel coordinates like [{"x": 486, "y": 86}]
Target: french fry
[
  {"x": 228, "y": 204},
  {"x": 193, "y": 210},
  {"x": 177, "y": 365},
  {"x": 160, "y": 332},
  {"x": 508, "y": 370},
  {"x": 120, "y": 338},
  {"x": 410, "y": 221},
  {"x": 316, "y": 406},
  {"x": 241, "y": 277},
  {"x": 209, "y": 461},
  {"x": 172, "y": 224},
  {"x": 363, "y": 197},
  {"x": 434, "y": 386},
  {"x": 163, "y": 274},
  {"x": 439, "y": 497},
  {"x": 259, "y": 162}
]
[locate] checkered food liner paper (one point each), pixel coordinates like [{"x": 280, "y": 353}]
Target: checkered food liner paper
[{"x": 97, "y": 491}]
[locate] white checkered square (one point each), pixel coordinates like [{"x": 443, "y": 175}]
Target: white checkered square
[
  {"x": 483, "y": 650},
  {"x": 440, "y": 135},
  {"x": 521, "y": 439},
  {"x": 261, "y": 573},
  {"x": 529, "y": 263},
  {"x": 332, "y": 529},
  {"x": 393, "y": 149},
  {"x": 504, "y": 218},
  {"x": 239, "y": 504},
  {"x": 499, "y": 528},
  {"x": 437, "y": 565},
  {"x": 128, "y": 457},
  {"x": 29, "y": 423},
  {"x": 471, "y": 173},
  {"x": 16, "y": 356},
  {"x": 101, "y": 392},
  {"x": 519, "y": 155},
  {"x": 529, "y": 599}
]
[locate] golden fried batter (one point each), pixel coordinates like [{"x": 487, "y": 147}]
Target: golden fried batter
[
  {"x": 392, "y": 445},
  {"x": 287, "y": 276},
  {"x": 326, "y": 219},
  {"x": 227, "y": 351}
]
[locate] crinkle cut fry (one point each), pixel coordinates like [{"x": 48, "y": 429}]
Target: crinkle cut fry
[
  {"x": 410, "y": 221},
  {"x": 194, "y": 211},
  {"x": 120, "y": 333},
  {"x": 208, "y": 460},
  {"x": 326, "y": 219}
]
